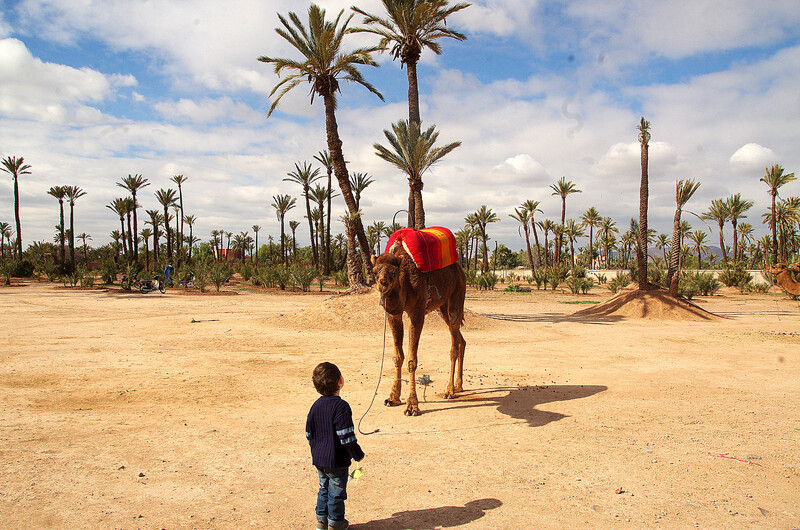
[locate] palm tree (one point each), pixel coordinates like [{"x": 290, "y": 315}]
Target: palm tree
[
  {"x": 293, "y": 227},
  {"x": 216, "y": 236},
  {"x": 644, "y": 193},
  {"x": 774, "y": 178},
  {"x": 591, "y": 218},
  {"x": 698, "y": 237},
  {"x": 547, "y": 226},
  {"x": 523, "y": 216},
  {"x": 118, "y": 206},
  {"x": 166, "y": 198},
  {"x": 532, "y": 207},
  {"x": 662, "y": 242},
  {"x": 380, "y": 228},
  {"x": 133, "y": 183},
  {"x": 59, "y": 193},
  {"x": 128, "y": 208},
  {"x": 412, "y": 151},
  {"x": 5, "y": 228},
  {"x": 282, "y": 204},
  {"x": 718, "y": 211},
  {"x": 16, "y": 167},
  {"x": 83, "y": 237},
  {"x": 323, "y": 65},
  {"x": 322, "y": 195},
  {"x": 180, "y": 180},
  {"x": 562, "y": 188},
  {"x": 256, "y": 229},
  {"x": 607, "y": 228},
  {"x": 305, "y": 175},
  {"x": 684, "y": 189},
  {"x": 358, "y": 183},
  {"x": 72, "y": 193},
  {"x": 191, "y": 220},
  {"x": 146, "y": 233},
  {"x": 573, "y": 231},
  {"x": 155, "y": 220},
  {"x": 736, "y": 210},
  {"x": 324, "y": 158},
  {"x": 483, "y": 217}
]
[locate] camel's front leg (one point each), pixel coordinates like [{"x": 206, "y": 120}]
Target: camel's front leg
[
  {"x": 396, "y": 323},
  {"x": 412, "y": 406}
]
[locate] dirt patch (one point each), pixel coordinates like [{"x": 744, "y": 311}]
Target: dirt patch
[{"x": 652, "y": 305}]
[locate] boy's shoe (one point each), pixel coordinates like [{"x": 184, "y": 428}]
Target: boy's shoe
[
  {"x": 322, "y": 525},
  {"x": 339, "y": 525}
]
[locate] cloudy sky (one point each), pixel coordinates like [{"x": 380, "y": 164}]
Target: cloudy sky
[{"x": 94, "y": 90}]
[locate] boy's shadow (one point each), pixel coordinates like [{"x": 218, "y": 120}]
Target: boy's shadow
[
  {"x": 521, "y": 402},
  {"x": 431, "y": 518}
]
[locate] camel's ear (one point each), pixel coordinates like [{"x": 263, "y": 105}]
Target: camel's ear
[{"x": 373, "y": 259}]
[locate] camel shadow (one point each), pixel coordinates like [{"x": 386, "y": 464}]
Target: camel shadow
[
  {"x": 520, "y": 403},
  {"x": 432, "y": 518}
]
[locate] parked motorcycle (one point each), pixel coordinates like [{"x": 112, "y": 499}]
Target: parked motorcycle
[{"x": 144, "y": 286}]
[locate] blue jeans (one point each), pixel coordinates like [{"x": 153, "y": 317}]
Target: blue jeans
[{"x": 332, "y": 494}]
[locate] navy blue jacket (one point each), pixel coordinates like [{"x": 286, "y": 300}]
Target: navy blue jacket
[{"x": 331, "y": 434}]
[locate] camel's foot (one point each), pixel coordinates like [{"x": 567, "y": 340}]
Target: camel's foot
[
  {"x": 392, "y": 402},
  {"x": 451, "y": 392},
  {"x": 412, "y": 410}
]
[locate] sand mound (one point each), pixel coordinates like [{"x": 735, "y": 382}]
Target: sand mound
[
  {"x": 362, "y": 312},
  {"x": 651, "y": 305}
]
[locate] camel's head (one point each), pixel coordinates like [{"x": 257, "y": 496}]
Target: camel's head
[
  {"x": 776, "y": 269},
  {"x": 387, "y": 273}
]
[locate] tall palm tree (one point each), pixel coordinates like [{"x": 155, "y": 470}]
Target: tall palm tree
[
  {"x": 591, "y": 218},
  {"x": 155, "y": 220},
  {"x": 774, "y": 178},
  {"x": 358, "y": 183},
  {"x": 562, "y": 188},
  {"x": 119, "y": 207},
  {"x": 16, "y": 167},
  {"x": 573, "y": 231},
  {"x": 323, "y": 65},
  {"x": 166, "y": 198},
  {"x": 483, "y": 217},
  {"x": 745, "y": 235},
  {"x": 216, "y": 235},
  {"x": 718, "y": 211},
  {"x": 191, "y": 220},
  {"x": 410, "y": 27},
  {"x": 412, "y": 151},
  {"x": 532, "y": 207},
  {"x": 644, "y": 193},
  {"x": 736, "y": 210},
  {"x": 684, "y": 189},
  {"x": 128, "y": 208},
  {"x": 59, "y": 193},
  {"x": 72, "y": 193},
  {"x": 523, "y": 217},
  {"x": 293, "y": 227},
  {"x": 662, "y": 242},
  {"x": 305, "y": 175},
  {"x": 133, "y": 183},
  {"x": 322, "y": 195},
  {"x": 324, "y": 158},
  {"x": 180, "y": 180},
  {"x": 282, "y": 204},
  {"x": 698, "y": 238},
  {"x": 380, "y": 228},
  {"x": 256, "y": 230}
]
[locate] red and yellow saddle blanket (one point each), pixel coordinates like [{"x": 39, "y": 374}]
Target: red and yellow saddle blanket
[{"x": 430, "y": 248}]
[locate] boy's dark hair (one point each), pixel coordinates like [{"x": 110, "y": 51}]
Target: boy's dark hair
[{"x": 326, "y": 378}]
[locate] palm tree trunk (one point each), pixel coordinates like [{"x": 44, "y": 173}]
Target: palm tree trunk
[
  {"x": 411, "y": 208},
  {"x": 591, "y": 249},
  {"x": 122, "y": 233},
  {"x": 419, "y": 210},
  {"x": 130, "y": 237},
  {"x": 61, "y": 230},
  {"x": 71, "y": 234},
  {"x": 19, "y": 226},
  {"x": 722, "y": 243},
  {"x": 772, "y": 222},
  {"x": 673, "y": 273},
  {"x": 644, "y": 193},
  {"x": 353, "y": 260},
  {"x": 735, "y": 242},
  {"x": 328, "y": 263},
  {"x": 528, "y": 245},
  {"x": 340, "y": 170},
  {"x": 536, "y": 240},
  {"x": 413, "y": 93},
  {"x": 135, "y": 230}
]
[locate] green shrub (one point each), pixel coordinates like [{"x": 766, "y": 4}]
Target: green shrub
[
  {"x": 735, "y": 276},
  {"x": 579, "y": 272},
  {"x": 706, "y": 283},
  {"x": 246, "y": 270},
  {"x": 86, "y": 278},
  {"x": 109, "y": 272},
  {"x": 303, "y": 276},
  {"x": 340, "y": 277},
  {"x": 601, "y": 278},
  {"x": 6, "y": 270},
  {"x": 619, "y": 282},
  {"x": 540, "y": 277},
  {"x": 656, "y": 274},
  {"x": 687, "y": 286},
  {"x": 220, "y": 273},
  {"x": 202, "y": 273},
  {"x": 472, "y": 277},
  {"x": 487, "y": 281},
  {"x": 579, "y": 284}
]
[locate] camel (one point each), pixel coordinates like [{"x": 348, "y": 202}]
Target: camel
[
  {"x": 403, "y": 287},
  {"x": 783, "y": 277}
]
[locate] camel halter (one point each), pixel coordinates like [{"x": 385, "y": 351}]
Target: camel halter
[{"x": 377, "y": 387}]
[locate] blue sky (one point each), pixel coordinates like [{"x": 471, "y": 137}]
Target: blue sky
[{"x": 93, "y": 91}]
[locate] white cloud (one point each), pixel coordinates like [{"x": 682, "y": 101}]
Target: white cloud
[
  {"x": 751, "y": 157},
  {"x": 207, "y": 110}
]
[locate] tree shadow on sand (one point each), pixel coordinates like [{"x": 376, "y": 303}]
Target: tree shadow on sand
[
  {"x": 431, "y": 518},
  {"x": 555, "y": 318},
  {"x": 521, "y": 402}
]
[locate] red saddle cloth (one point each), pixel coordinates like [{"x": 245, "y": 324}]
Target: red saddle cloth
[{"x": 430, "y": 248}]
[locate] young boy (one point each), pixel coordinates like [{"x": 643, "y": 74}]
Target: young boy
[{"x": 331, "y": 434}]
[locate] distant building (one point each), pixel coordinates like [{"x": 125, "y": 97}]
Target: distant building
[{"x": 226, "y": 254}]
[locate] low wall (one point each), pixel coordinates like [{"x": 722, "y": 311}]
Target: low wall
[{"x": 759, "y": 277}]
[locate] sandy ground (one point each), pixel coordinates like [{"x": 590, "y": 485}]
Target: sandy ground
[{"x": 122, "y": 410}]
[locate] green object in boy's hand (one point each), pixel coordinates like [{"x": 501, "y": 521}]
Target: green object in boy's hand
[{"x": 357, "y": 473}]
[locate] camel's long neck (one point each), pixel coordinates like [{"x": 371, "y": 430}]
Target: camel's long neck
[{"x": 784, "y": 279}]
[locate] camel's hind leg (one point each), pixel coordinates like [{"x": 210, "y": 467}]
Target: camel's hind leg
[
  {"x": 457, "y": 345},
  {"x": 396, "y": 324}
]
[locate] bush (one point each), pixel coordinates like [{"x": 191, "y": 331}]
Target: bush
[
  {"x": 487, "y": 281},
  {"x": 86, "y": 278},
  {"x": 472, "y": 277},
  {"x": 202, "y": 273},
  {"x": 22, "y": 269},
  {"x": 621, "y": 281},
  {"x": 109, "y": 271},
  {"x": 735, "y": 276},
  {"x": 303, "y": 276},
  {"x": 601, "y": 278},
  {"x": 687, "y": 286},
  {"x": 579, "y": 285},
  {"x": 540, "y": 277},
  {"x": 219, "y": 274},
  {"x": 555, "y": 275},
  {"x": 706, "y": 283},
  {"x": 340, "y": 277},
  {"x": 246, "y": 270},
  {"x": 6, "y": 270},
  {"x": 656, "y": 274}
]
